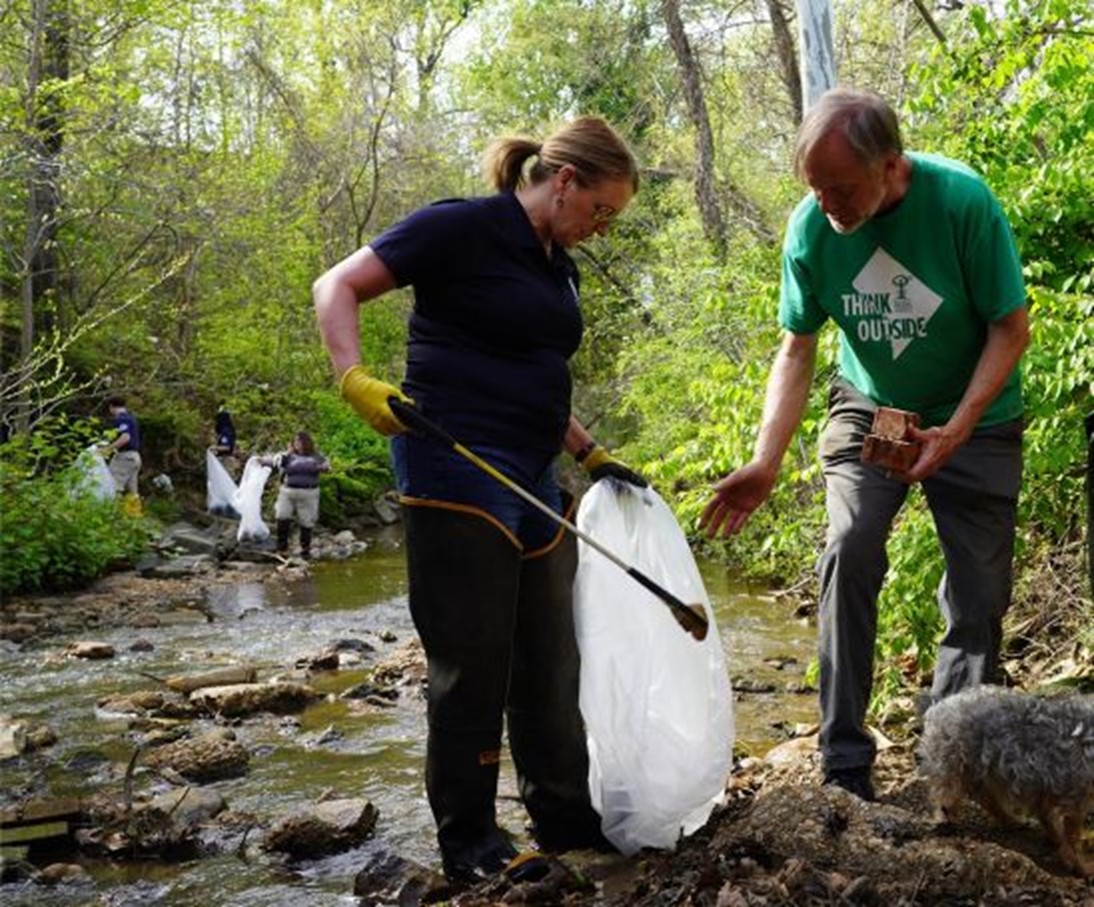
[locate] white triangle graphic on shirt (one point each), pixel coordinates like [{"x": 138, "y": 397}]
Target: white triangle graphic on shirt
[{"x": 909, "y": 297}]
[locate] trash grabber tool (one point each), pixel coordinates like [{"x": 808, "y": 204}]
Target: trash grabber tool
[{"x": 691, "y": 617}]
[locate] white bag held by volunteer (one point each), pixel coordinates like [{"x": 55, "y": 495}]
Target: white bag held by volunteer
[
  {"x": 93, "y": 475},
  {"x": 248, "y": 501},
  {"x": 220, "y": 488},
  {"x": 657, "y": 704}
]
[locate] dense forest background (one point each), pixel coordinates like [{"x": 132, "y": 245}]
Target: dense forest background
[{"x": 174, "y": 174}]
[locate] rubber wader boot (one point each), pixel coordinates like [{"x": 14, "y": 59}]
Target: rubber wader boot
[
  {"x": 463, "y": 572},
  {"x": 305, "y": 542},
  {"x": 283, "y": 529},
  {"x": 546, "y": 733}
]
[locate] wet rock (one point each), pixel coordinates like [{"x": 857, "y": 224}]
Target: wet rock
[
  {"x": 388, "y": 878},
  {"x": 184, "y": 537},
  {"x": 330, "y": 734},
  {"x": 17, "y": 632},
  {"x": 13, "y": 737},
  {"x": 181, "y": 567},
  {"x": 142, "y": 645},
  {"x": 388, "y": 636},
  {"x": 326, "y": 660},
  {"x": 40, "y": 737},
  {"x": 148, "y": 703},
  {"x": 324, "y": 828},
  {"x": 63, "y": 874},
  {"x": 89, "y": 649},
  {"x": 369, "y": 690},
  {"x": 187, "y": 683},
  {"x": 210, "y": 757},
  {"x": 748, "y": 685},
  {"x": 14, "y": 871},
  {"x": 386, "y": 510},
  {"x": 360, "y": 646},
  {"x": 189, "y": 806},
  {"x": 242, "y": 699}
]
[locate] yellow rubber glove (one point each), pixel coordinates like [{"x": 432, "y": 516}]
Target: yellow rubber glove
[
  {"x": 368, "y": 396},
  {"x": 600, "y": 464}
]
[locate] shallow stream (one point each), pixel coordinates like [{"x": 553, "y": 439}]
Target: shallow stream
[{"x": 374, "y": 754}]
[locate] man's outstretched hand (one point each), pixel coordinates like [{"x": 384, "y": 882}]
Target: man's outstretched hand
[{"x": 735, "y": 497}]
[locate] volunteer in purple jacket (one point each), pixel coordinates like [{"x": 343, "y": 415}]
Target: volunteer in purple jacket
[{"x": 495, "y": 321}]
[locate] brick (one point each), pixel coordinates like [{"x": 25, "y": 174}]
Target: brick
[
  {"x": 893, "y": 423},
  {"x": 889, "y": 454}
]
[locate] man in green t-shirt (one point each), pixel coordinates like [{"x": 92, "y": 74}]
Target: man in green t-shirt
[{"x": 913, "y": 258}]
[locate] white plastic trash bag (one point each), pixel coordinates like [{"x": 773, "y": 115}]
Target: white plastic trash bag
[
  {"x": 657, "y": 704},
  {"x": 94, "y": 476},
  {"x": 248, "y": 502},
  {"x": 220, "y": 488}
]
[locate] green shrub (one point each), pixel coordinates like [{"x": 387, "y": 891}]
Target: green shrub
[{"x": 53, "y": 535}]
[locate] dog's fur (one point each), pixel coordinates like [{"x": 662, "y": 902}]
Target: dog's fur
[{"x": 1015, "y": 753}]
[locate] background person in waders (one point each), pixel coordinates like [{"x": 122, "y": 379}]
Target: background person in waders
[
  {"x": 298, "y": 494},
  {"x": 496, "y": 318},
  {"x": 125, "y": 454},
  {"x": 913, "y": 258}
]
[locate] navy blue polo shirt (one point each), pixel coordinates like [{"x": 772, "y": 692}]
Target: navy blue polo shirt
[
  {"x": 125, "y": 422},
  {"x": 494, "y": 324}
]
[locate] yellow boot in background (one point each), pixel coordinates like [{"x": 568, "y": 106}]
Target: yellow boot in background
[{"x": 131, "y": 505}]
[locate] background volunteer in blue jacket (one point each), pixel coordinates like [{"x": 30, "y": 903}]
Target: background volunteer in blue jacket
[
  {"x": 125, "y": 449},
  {"x": 298, "y": 496},
  {"x": 496, "y": 319}
]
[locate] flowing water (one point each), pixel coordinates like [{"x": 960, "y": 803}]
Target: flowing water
[{"x": 377, "y": 755}]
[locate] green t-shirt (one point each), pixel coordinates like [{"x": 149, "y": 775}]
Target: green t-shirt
[{"x": 912, "y": 290}]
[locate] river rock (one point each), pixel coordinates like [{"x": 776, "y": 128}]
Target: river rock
[
  {"x": 190, "y": 539},
  {"x": 324, "y": 660},
  {"x": 187, "y": 683},
  {"x": 182, "y": 567},
  {"x": 63, "y": 874},
  {"x": 209, "y": 757},
  {"x": 242, "y": 699},
  {"x": 89, "y": 649},
  {"x": 148, "y": 702},
  {"x": 17, "y": 632},
  {"x": 386, "y": 510},
  {"x": 388, "y": 878},
  {"x": 323, "y": 828},
  {"x": 13, "y": 737},
  {"x": 189, "y": 806}
]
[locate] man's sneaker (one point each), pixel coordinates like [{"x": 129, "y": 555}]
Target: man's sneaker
[{"x": 853, "y": 780}]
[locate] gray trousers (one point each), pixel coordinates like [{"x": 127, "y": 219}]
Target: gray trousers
[{"x": 973, "y": 500}]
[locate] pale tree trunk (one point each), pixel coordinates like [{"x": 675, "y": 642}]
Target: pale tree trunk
[
  {"x": 818, "y": 60},
  {"x": 788, "y": 56},
  {"x": 706, "y": 194},
  {"x": 48, "y": 61}
]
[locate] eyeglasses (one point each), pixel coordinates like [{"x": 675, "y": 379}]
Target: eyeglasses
[{"x": 603, "y": 214}]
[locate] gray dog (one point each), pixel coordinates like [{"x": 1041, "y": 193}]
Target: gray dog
[{"x": 1015, "y": 753}]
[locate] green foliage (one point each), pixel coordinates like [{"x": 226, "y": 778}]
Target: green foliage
[{"x": 54, "y": 533}]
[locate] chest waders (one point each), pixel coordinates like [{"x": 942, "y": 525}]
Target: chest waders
[{"x": 497, "y": 629}]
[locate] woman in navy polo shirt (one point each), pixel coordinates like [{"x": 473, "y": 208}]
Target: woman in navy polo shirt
[{"x": 495, "y": 321}]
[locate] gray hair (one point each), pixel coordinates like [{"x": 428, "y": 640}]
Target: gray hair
[{"x": 864, "y": 119}]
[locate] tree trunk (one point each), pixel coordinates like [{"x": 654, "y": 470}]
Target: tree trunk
[
  {"x": 44, "y": 138},
  {"x": 706, "y": 194},
  {"x": 788, "y": 56},
  {"x": 817, "y": 51}
]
